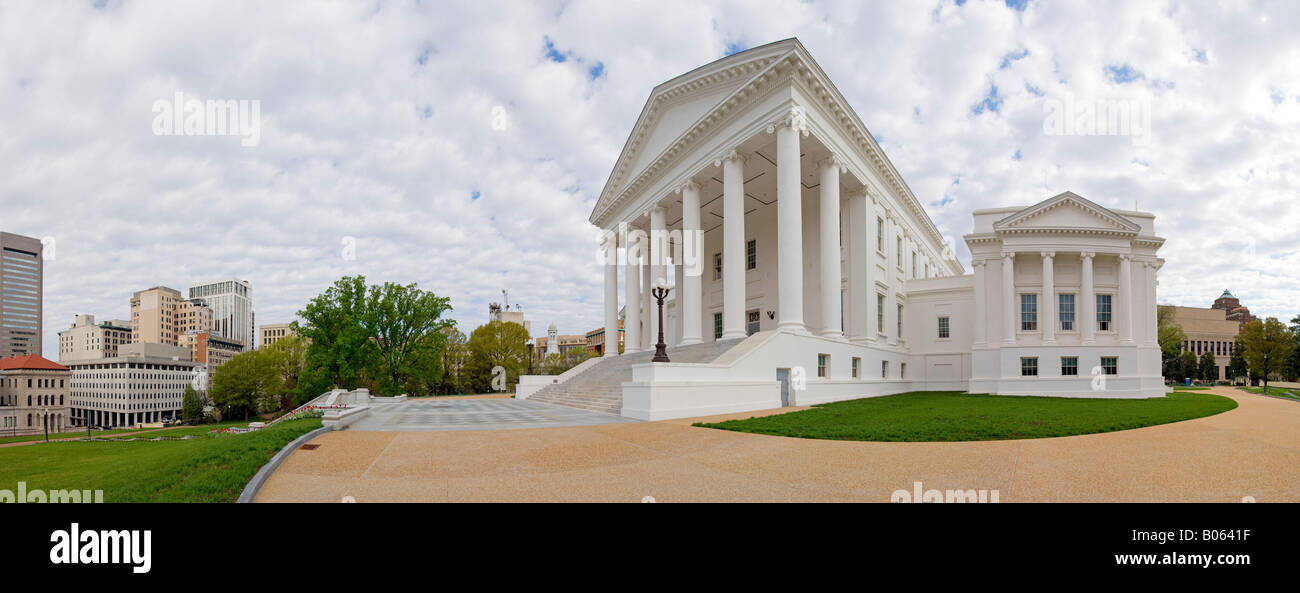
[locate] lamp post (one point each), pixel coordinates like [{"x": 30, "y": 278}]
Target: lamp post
[
  {"x": 659, "y": 292},
  {"x": 46, "y": 423}
]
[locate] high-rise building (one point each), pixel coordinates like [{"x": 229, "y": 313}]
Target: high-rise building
[
  {"x": 231, "y": 301},
  {"x": 21, "y": 281},
  {"x": 145, "y": 382},
  {"x": 86, "y": 340},
  {"x": 160, "y": 315},
  {"x": 213, "y": 351}
]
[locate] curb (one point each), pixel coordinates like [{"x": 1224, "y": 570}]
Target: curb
[{"x": 254, "y": 485}]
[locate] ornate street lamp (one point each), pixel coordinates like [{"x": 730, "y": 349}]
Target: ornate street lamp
[
  {"x": 46, "y": 412},
  {"x": 659, "y": 292}
]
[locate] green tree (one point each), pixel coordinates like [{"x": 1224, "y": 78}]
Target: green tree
[
  {"x": 496, "y": 343},
  {"x": 408, "y": 332},
  {"x": 1171, "y": 337},
  {"x": 1291, "y": 369},
  {"x": 1237, "y": 366},
  {"x": 338, "y": 352},
  {"x": 246, "y": 383},
  {"x": 1187, "y": 366},
  {"x": 191, "y": 405},
  {"x": 454, "y": 356},
  {"x": 1207, "y": 370},
  {"x": 288, "y": 356},
  {"x": 1268, "y": 344}
]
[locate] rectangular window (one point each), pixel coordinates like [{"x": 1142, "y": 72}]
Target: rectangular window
[
  {"x": 880, "y": 234},
  {"x": 880, "y": 313},
  {"x": 1103, "y": 312},
  {"x": 898, "y": 253},
  {"x": 913, "y": 264},
  {"x": 1028, "y": 312},
  {"x": 753, "y": 323},
  {"x": 900, "y": 322},
  {"x": 857, "y": 367},
  {"x": 884, "y": 369},
  {"x": 902, "y": 370},
  {"x": 717, "y": 266},
  {"x": 1069, "y": 366},
  {"x": 717, "y": 325},
  {"x": 1110, "y": 365},
  {"x": 1066, "y": 311},
  {"x": 751, "y": 254},
  {"x": 944, "y": 332},
  {"x": 1029, "y": 366},
  {"x": 823, "y": 365}
]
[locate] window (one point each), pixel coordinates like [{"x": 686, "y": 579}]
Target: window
[
  {"x": 823, "y": 365},
  {"x": 752, "y": 323},
  {"x": 884, "y": 369},
  {"x": 1069, "y": 366},
  {"x": 1110, "y": 365},
  {"x": 1103, "y": 312},
  {"x": 898, "y": 253},
  {"x": 751, "y": 254},
  {"x": 900, "y": 322},
  {"x": 880, "y": 313},
  {"x": 1029, "y": 366},
  {"x": 1028, "y": 312},
  {"x": 717, "y": 325},
  {"x": 856, "y": 367},
  {"x": 902, "y": 370},
  {"x": 1066, "y": 311},
  {"x": 717, "y": 266},
  {"x": 880, "y": 234},
  {"x": 913, "y": 264},
  {"x": 943, "y": 328}
]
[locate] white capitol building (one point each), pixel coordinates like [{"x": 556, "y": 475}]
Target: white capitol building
[{"x": 817, "y": 276}]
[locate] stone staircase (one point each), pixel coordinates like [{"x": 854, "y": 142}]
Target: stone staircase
[{"x": 600, "y": 387}]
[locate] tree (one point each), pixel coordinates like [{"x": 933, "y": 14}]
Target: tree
[
  {"x": 1187, "y": 366},
  {"x": 1268, "y": 343},
  {"x": 1291, "y": 369},
  {"x": 1207, "y": 370},
  {"x": 1171, "y": 337},
  {"x": 408, "y": 332},
  {"x": 288, "y": 356},
  {"x": 247, "y": 382},
  {"x": 1237, "y": 362},
  {"x": 454, "y": 356},
  {"x": 496, "y": 343},
  {"x": 191, "y": 405}
]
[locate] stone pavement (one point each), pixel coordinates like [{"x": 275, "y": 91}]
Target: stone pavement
[
  {"x": 477, "y": 414},
  {"x": 1252, "y": 451}
]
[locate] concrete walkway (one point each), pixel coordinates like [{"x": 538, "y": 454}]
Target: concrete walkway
[{"x": 1252, "y": 451}]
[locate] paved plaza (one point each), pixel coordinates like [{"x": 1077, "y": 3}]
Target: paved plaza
[
  {"x": 1251, "y": 451},
  {"x": 477, "y": 414}
]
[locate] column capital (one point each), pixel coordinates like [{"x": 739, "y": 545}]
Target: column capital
[
  {"x": 834, "y": 161},
  {"x": 978, "y": 263},
  {"x": 1125, "y": 257},
  {"x": 1048, "y": 254},
  {"x": 688, "y": 185},
  {"x": 731, "y": 155},
  {"x": 794, "y": 118},
  {"x": 1008, "y": 255},
  {"x": 1087, "y": 254}
]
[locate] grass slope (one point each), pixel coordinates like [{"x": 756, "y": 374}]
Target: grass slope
[
  {"x": 207, "y": 468},
  {"x": 957, "y": 416}
]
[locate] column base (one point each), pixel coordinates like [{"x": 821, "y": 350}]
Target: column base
[
  {"x": 794, "y": 327},
  {"x": 691, "y": 341},
  {"x": 733, "y": 335},
  {"x": 838, "y": 336}
]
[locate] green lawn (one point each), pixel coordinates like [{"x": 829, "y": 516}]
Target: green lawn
[
  {"x": 143, "y": 432},
  {"x": 1190, "y": 388},
  {"x": 208, "y": 468},
  {"x": 957, "y": 416},
  {"x": 1287, "y": 393}
]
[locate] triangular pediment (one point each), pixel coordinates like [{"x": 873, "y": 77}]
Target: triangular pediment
[
  {"x": 1066, "y": 212},
  {"x": 675, "y": 106}
]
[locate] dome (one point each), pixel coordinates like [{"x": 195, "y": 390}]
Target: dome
[{"x": 1226, "y": 295}]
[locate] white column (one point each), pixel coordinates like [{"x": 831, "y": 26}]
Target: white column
[
  {"x": 869, "y": 282},
  {"x": 860, "y": 255},
  {"x": 693, "y": 242},
  {"x": 679, "y": 282},
  {"x": 611, "y": 293},
  {"x": 829, "y": 239},
  {"x": 658, "y": 271},
  {"x": 632, "y": 298},
  {"x": 1125, "y": 307},
  {"x": 1009, "y": 297},
  {"x": 1088, "y": 306},
  {"x": 891, "y": 282},
  {"x": 733, "y": 246},
  {"x": 981, "y": 318},
  {"x": 1047, "y": 311},
  {"x": 789, "y": 224},
  {"x": 647, "y": 303},
  {"x": 1149, "y": 315}
]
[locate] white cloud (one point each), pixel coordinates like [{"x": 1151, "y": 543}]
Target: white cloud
[{"x": 377, "y": 124}]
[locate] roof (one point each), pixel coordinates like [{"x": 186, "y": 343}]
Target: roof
[
  {"x": 1226, "y": 295},
  {"x": 30, "y": 361}
]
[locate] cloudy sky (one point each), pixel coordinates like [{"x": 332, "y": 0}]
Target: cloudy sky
[{"x": 462, "y": 145}]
